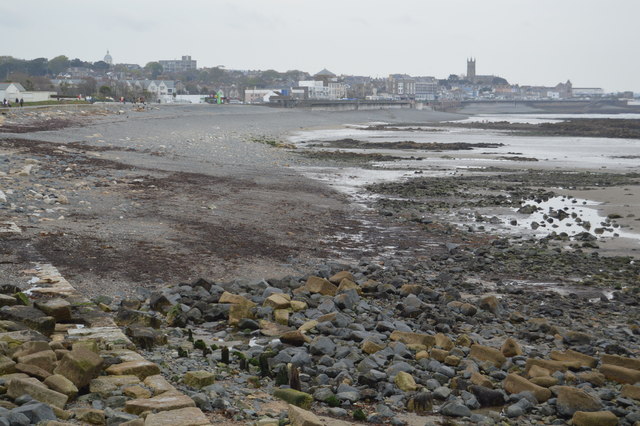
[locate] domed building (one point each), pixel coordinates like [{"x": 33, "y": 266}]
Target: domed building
[{"x": 108, "y": 59}]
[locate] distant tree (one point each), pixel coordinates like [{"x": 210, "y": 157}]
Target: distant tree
[
  {"x": 149, "y": 96},
  {"x": 100, "y": 66},
  {"x": 154, "y": 69},
  {"x": 453, "y": 77},
  {"x": 191, "y": 88},
  {"x": 499, "y": 80},
  {"x": 296, "y": 75},
  {"x": 255, "y": 82},
  {"x": 39, "y": 66},
  {"x": 31, "y": 83},
  {"x": 58, "y": 64},
  {"x": 40, "y": 83},
  {"x": 9, "y": 64},
  {"x": 122, "y": 89},
  {"x": 216, "y": 74},
  {"x": 105, "y": 90},
  {"x": 78, "y": 63},
  {"x": 20, "y": 77},
  {"x": 88, "y": 86},
  {"x": 271, "y": 76},
  {"x": 191, "y": 75},
  {"x": 64, "y": 88}
]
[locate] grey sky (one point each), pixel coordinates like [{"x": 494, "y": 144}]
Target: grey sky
[{"x": 542, "y": 42}]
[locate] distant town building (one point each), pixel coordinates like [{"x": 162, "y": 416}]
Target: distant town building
[
  {"x": 58, "y": 83},
  {"x": 313, "y": 89},
  {"x": 11, "y": 91},
  {"x": 401, "y": 85},
  {"x": 506, "y": 91},
  {"x": 471, "y": 70},
  {"x": 153, "y": 87},
  {"x": 426, "y": 88},
  {"x": 337, "y": 90},
  {"x": 325, "y": 76},
  {"x": 78, "y": 72},
  {"x": 108, "y": 59},
  {"x": 131, "y": 67},
  {"x": 258, "y": 96},
  {"x": 325, "y": 85},
  {"x": 559, "y": 91},
  {"x": 486, "y": 80},
  {"x": 587, "y": 92},
  {"x": 178, "y": 65}
]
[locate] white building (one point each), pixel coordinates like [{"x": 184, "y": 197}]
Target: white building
[
  {"x": 315, "y": 89},
  {"x": 13, "y": 91},
  {"x": 337, "y": 90},
  {"x": 258, "y": 96},
  {"x": 157, "y": 88},
  {"x": 587, "y": 92},
  {"x": 426, "y": 89},
  {"x": 183, "y": 99},
  {"x": 325, "y": 85}
]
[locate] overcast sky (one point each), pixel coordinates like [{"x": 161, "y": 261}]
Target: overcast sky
[{"x": 538, "y": 42}]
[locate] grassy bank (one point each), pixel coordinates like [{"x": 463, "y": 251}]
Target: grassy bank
[{"x": 50, "y": 102}]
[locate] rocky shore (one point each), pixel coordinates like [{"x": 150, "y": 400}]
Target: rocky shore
[
  {"x": 453, "y": 326},
  {"x": 603, "y": 127},
  {"x": 386, "y": 339},
  {"x": 371, "y": 344}
]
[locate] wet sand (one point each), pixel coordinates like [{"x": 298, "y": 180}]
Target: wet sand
[
  {"x": 179, "y": 192},
  {"x": 625, "y": 203},
  {"x": 124, "y": 198}
]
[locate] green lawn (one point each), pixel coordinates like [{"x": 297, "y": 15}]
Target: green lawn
[{"x": 50, "y": 102}]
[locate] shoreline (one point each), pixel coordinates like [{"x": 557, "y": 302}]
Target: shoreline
[
  {"x": 195, "y": 232},
  {"x": 622, "y": 204}
]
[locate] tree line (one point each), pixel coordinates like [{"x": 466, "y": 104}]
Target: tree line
[{"x": 36, "y": 74}]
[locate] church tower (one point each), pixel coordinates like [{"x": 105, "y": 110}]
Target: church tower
[{"x": 471, "y": 69}]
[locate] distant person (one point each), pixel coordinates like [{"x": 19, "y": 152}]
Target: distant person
[
  {"x": 21, "y": 102},
  {"x": 17, "y": 101}
]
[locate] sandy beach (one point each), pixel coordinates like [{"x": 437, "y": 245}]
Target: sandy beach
[{"x": 174, "y": 192}]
